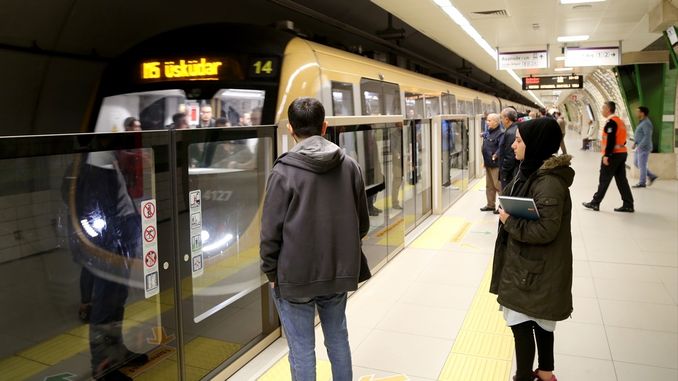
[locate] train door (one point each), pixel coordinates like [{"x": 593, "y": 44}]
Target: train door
[
  {"x": 450, "y": 160},
  {"x": 417, "y": 160}
]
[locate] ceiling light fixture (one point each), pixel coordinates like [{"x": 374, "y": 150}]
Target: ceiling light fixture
[
  {"x": 580, "y": 1},
  {"x": 573, "y": 38},
  {"x": 563, "y": 69},
  {"x": 460, "y": 20}
]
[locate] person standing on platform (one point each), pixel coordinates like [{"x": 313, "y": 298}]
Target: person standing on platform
[
  {"x": 563, "y": 129},
  {"x": 643, "y": 146},
  {"x": 491, "y": 139},
  {"x": 314, "y": 217},
  {"x": 613, "y": 163},
  {"x": 532, "y": 266},
  {"x": 507, "y": 158}
]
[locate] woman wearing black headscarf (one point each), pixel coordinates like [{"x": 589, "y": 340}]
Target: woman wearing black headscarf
[{"x": 532, "y": 269}]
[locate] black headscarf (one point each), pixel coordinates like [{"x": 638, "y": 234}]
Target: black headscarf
[{"x": 542, "y": 139}]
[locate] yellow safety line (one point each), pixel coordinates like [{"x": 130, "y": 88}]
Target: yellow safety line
[
  {"x": 440, "y": 233},
  {"x": 461, "y": 233},
  {"x": 483, "y": 349}
]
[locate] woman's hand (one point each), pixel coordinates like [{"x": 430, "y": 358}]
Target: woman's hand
[{"x": 503, "y": 216}]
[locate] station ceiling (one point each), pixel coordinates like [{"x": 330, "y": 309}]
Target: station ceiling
[
  {"x": 520, "y": 25},
  {"x": 102, "y": 29}
]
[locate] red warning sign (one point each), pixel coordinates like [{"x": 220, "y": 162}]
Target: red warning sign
[
  {"x": 151, "y": 258},
  {"x": 149, "y": 210},
  {"x": 150, "y": 233}
]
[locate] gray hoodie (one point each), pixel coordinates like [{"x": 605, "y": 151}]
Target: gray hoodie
[{"x": 315, "y": 214}]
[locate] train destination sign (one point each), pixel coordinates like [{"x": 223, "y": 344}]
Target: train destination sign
[
  {"x": 199, "y": 68},
  {"x": 553, "y": 82}
]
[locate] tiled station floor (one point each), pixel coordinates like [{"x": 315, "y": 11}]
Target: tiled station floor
[{"x": 427, "y": 315}]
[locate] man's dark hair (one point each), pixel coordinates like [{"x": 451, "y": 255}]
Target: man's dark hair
[
  {"x": 306, "y": 115},
  {"x": 644, "y": 110},
  {"x": 176, "y": 118},
  {"x": 221, "y": 122},
  {"x": 542, "y": 111},
  {"x": 611, "y": 105},
  {"x": 130, "y": 120}
]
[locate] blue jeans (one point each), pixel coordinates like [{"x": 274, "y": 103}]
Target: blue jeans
[
  {"x": 640, "y": 161},
  {"x": 297, "y": 318}
]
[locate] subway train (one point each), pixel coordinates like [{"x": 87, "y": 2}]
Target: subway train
[{"x": 415, "y": 137}]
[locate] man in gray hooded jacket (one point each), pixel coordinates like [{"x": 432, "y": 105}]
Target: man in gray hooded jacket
[{"x": 315, "y": 215}]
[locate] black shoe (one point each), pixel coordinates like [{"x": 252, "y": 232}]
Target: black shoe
[
  {"x": 486, "y": 209},
  {"x": 591, "y": 206},
  {"x": 652, "y": 179},
  {"x": 496, "y": 211},
  {"x": 133, "y": 358},
  {"x": 625, "y": 209},
  {"x": 639, "y": 185}
]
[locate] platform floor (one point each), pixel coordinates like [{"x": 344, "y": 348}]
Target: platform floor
[{"x": 427, "y": 315}]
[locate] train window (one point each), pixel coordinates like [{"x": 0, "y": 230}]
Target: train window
[
  {"x": 153, "y": 109},
  {"x": 391, "y": 99},
  {"x": 477, "y": 106},
  {"x": 432, "y": 106},
  {"x": 414, "y": 106},
  {"x": 342, "y": 98},
  {"x": 379, "y": 98},
  {"x": 156, "y": 110},
  {"x": 449, "y": 103}
]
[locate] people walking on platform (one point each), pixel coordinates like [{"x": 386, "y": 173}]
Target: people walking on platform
[
  {"x": 532, "y": 268},
  {"x": 314, "y": 216},
  {"x": 643, "y": 146},
  {"x": 507, "y": 158},
  {"x": 613, "y": 163},
  {"x": 491, "y": 139}
]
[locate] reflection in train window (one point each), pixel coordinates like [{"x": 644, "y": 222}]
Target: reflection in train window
[
  {"x": 230, "y": 176},
  {"x": 449, "y": 103},
  {"x": 432, "y": 106},
  {"x": 414, "y": 106},
  {"x": 342, "y": 99},
  {"x": 379, "y": 98},
  {"x": 156, "y": 110}
]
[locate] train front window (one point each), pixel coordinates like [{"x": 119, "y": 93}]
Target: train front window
[{"x": 164, "y": 109}]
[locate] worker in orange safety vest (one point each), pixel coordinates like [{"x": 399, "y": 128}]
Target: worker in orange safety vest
[{"x": 613, "y": 163}]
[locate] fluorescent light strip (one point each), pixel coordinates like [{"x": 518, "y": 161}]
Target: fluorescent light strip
[
  {"x": 582, "y": 37},
  {"x": 536, "y": 98},
  {"x": 561, "y": 58},
  {"x": 580, "y": 1},
  {"x": 563, "y": 69},
  {"x": 460, "y": 20}
]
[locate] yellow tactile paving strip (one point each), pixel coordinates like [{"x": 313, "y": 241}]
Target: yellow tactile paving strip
[
  {"x": 483, "y": 349},
  {"x": 19, "y": 368},
  {"x": 55, "y": 349},
  {"x": 445, "y": 230}
]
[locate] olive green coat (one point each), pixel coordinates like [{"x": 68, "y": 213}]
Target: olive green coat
[{"x": 532, "y": 268}]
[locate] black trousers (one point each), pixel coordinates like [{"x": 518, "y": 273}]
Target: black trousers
[
  {"x": 616, "y": 169},
  {"x": 524, "y": 335}
]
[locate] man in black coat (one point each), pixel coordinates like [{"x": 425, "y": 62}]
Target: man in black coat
[{"x": 507, "y": 158}]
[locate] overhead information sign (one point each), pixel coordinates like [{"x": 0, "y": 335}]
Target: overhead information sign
[
  {"x": 553, "y": 82},
  {"x": 577, "y": 57},
  {"x": 523, "y": 60}
]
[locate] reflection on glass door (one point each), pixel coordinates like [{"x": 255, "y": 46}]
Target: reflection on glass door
[
  {"x": 86, "y": 293},
  {"x": 454, "y": 160},
  {"x": 227, "y": 304},
  {"x": 418, "y": 172}
]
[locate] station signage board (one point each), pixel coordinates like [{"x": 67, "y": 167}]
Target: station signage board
[
  {"x": 553, "y": 82},
  {"x": 523, "y": 60},
  {"x": 606, "y": 56}
]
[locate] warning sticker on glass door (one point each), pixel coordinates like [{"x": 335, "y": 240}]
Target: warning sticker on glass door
[{"x": 149, "y": 233}]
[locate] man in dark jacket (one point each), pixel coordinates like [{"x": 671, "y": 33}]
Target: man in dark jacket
[
  {"x": 491, "y": 139},
  {"x": 507, "y": 158},
  {"x": 315, "y": 214}
]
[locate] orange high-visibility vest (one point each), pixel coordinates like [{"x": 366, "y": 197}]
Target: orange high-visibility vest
[{"x": 620, "y": 141}]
